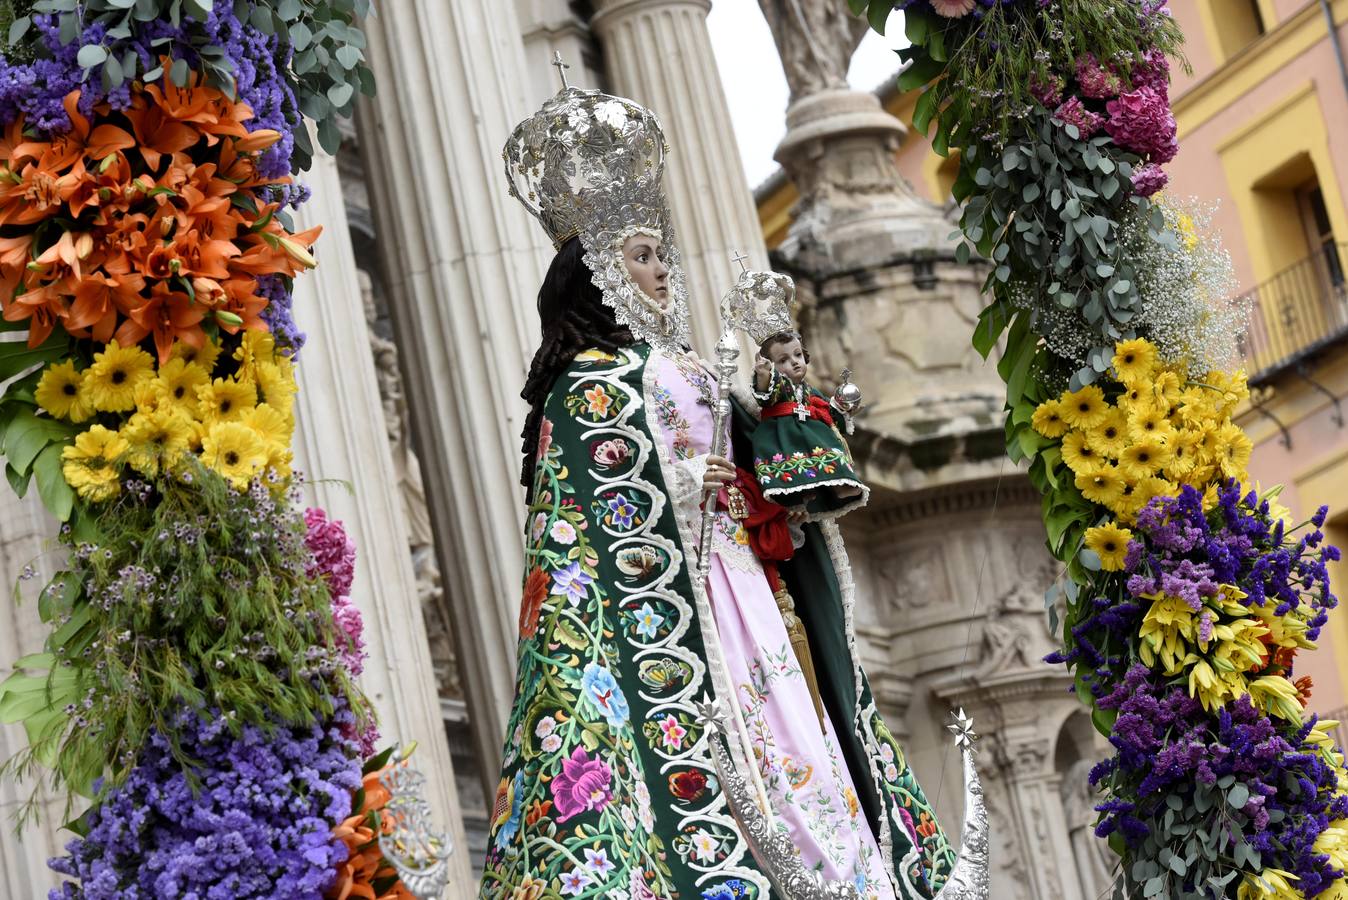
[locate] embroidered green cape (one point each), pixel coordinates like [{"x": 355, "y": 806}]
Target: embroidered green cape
[{"x": 608, "y": 788}]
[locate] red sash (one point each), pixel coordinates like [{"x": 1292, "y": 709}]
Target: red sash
[{"x": 818, "y": 406}]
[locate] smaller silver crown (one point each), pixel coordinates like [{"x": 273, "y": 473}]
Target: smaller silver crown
[
  {"x": 760, "y": 304},
  {"x": 578, "y": 145}
]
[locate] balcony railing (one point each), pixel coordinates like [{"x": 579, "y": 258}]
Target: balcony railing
[{"x": 1297, "y": 313}]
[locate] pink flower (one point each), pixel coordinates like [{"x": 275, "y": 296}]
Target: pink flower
[
  {"x": 583, "y": 784},
  {"x": 672, "y": 733},
  {"x": 1047, "y": 92},
  {"x": 1153, "y": 71},
  {"x": 1149, "y": 179},
  {"x": 952, "y": 9},
  {"x": 1141, "y": 121},
  {"x": 1096, "y": 81},
  {"x": 334, "y": 553},
  {"x": 1074, "y": 112},
  {"x": 544, "y": 439}
]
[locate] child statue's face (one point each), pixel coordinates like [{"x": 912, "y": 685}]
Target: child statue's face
[{"x": 788, "y": 358}]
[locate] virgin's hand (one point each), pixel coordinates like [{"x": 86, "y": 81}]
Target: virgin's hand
[
  {"x": 795, "y": 516},
  {"x": 719, "y": 471}
]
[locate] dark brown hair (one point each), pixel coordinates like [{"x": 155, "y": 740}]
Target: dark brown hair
[
  {"x": 573, "y": 317},
  {"x": 783, "y": 337}
]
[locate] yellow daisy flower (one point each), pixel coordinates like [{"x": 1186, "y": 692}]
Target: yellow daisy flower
[
  {"x": 59, "y": 393},
  {"x": 1134, "y": 361},
  {"x": 226, "y": 400},
  {"x": 255, "y": 347},
  {"x": 276, "y": 383},
  {"x": 1102, "y": 484},
  {"x": 1110, "y": 543},
  {"x": 204, "y": 356},
  {"x": 1183, "y": 455},
  {"x": 148, "y": 396},
  {"x": 179, "y": 381},
  {"x": 1134, "y": 396},
  {"x": 1143, "y": 459},
  {"x": 112, "y": 379},
  {"x": 157, "y": 439},
  {"x": 1149, "y": 422},
  {"x": 1085, "y": 408},
  {"x": 269, "y": 423},
  {"x": 1194, "y": 406},
  {"x": 1110, "y": 437},
  {"x": 1125, "y": 508},
  {"x": 1166, "y": 389},
  {"x": 1147, "y": 488},
  {"x": 1235, "y": 448},
  {"x": 1048, "y": 421},
  {"x": 235, "y": 451},
  {"x": 1078, "y": 453},
  {"x": 196, "y": 435},
  {"x": 90, "y": 465}
]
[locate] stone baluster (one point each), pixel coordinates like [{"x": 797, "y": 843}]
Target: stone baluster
[{"x": 341, "y": 447}]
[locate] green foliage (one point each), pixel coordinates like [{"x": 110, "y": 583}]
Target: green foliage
[
  {"x": 31, "y": 441},
  {"x": 321, "y": 38},
  {"x": 977, "y": 71},
  {"x": 199, "y": 597},
  {"x": 1048, "y": 209}
]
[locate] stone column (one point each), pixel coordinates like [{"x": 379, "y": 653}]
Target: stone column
[
  {"x": 27, "y": 534},
  {"x": 463, "y": 263},
  {"x": 342, "y": 449},
  {"x": 552, "y": 26},
  {"x": 658, "y": 53}
]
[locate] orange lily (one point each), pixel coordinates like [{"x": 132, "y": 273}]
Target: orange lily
[
  {"x": 81, "y": 140},
  {"x": 158, "y": 134},
  {"x": 242, "y": 300},
  {"x": 168, "y": 315},
  {"x": 43, "y": 307},
  {"x": 98, "y": 300}
]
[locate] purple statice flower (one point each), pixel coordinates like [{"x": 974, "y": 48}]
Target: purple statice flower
[
  {"x": 252, "y": 816},
  {"x": 1096, "y": 81},
  {"x": 278, "y": 314},
  {"x": 1149, "y": 178},
  {"x": 1074, "y": 112},
  {"x": 1140, "y": 120}
]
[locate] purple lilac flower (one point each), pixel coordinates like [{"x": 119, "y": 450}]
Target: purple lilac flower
[
  {"x": 258, "y": 824},
  {"x": 1140, "y": 120},
  {"x": 1153, "y": 71},
  {"x": 1074, "y": 112},
  {"x": 1047, "y": 91},
  {"x": 278, "y": 314}
]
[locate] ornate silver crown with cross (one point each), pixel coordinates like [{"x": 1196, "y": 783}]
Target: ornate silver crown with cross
[
  {"x": 591, "y": 164},
  {"x": 760, "y": 304}
]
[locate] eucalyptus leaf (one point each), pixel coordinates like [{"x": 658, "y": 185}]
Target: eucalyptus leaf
[{"x": 91, "y": 55}]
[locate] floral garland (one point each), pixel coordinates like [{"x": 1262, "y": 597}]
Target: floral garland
[
  {"x": 1189, "y": 592},
  {"x": 197, "y": 689}
]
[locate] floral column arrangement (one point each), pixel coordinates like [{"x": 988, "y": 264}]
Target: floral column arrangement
[
  {"x": 1189, "y": 591},
  {"x": 195, "y": 700}
]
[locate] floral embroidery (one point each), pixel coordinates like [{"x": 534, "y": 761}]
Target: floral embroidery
[
  {"x": 597, "y": 402},
  {"x": 674, "y": 422},
  {"x": 535, "y": 593},
  {"x": 621, "y": 511},
  {"x": 602, "y": 691},
  {"x": 571, "y": 583},
  {"x": 673, "y": 733},
  {"x": 583, "y": 784},
  {"x": 816, "y": 465},
  {"x": 611, "y": 453},
  {"x": 648, "y": 621}
]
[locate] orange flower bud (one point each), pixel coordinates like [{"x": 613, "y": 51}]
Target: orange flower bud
[
  {"x": 298, "y": 253},
  {"x": 226, "y": 317},
  {"x": 257, "y": 140},
  {"x": 84, "y": 245}
]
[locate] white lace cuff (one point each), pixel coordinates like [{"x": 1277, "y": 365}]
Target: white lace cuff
[{"x": 686, "y": 492}]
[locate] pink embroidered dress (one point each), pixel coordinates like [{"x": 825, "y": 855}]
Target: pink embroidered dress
[{"x": 801, "y": 766}]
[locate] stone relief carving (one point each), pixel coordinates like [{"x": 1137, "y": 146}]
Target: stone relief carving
[
  {"x": 1012, "y": 877},
  {"x": 421, "y": 539},
  {"x": 918, "y": 578},
  {"x": 1094, "y": 861},
  {"x": 815, "y": 41}
]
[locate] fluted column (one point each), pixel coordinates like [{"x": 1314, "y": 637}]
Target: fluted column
[
  {"x": 658, "y": 53},
  {"x": 463, "y": 263},
  {"x": 342, "y": 449},
  {"x": 27, "y": 536}
]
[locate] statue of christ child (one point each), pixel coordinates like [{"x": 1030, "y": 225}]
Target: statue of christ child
[{"x": 800, "y": 456}]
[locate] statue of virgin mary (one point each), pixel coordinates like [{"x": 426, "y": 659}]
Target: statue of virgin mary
[{"x": 610, "y": 786}]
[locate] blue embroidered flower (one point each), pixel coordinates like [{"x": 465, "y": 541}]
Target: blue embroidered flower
[
  {"x": 602, "y": 690},
  {"x": 571, "y": 583},
  {"x": 511, "y": 826},
  {"x": 622, "y": 511},
  {"x": 734, "y": 889},
  {"x": 648, "y": 621}
]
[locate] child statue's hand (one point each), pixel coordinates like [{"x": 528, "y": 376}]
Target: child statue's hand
[{"x": 762, "y": 372}]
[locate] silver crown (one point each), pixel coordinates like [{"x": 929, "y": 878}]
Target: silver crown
[
  {"x": 760, "y": 304},
  {"x": 576, "y": 148},
  {"x": 590, "y": 164}
]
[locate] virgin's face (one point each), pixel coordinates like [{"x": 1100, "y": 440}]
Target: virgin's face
[{"x": 641, "y": 253}]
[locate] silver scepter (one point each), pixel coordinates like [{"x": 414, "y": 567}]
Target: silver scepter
[{"x": 727, "y": 355}]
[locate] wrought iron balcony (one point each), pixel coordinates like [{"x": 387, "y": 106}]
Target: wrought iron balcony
[{"x": 1297, "y": 313}]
